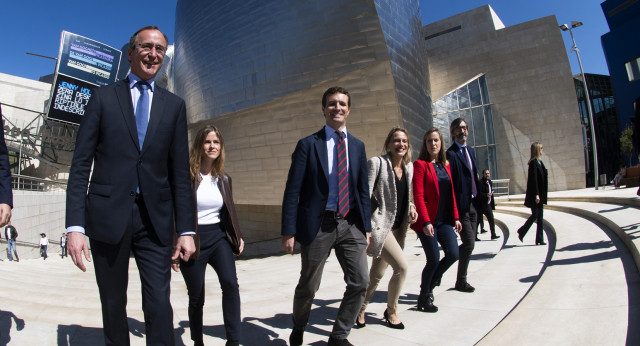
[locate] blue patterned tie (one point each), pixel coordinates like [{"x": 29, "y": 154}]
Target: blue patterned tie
[
  {"x": 142, "y": 110},
  {"x": 343, "y": 176}
]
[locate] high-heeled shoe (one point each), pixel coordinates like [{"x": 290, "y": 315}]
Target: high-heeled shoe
[
  {"x": 360, "y": 324},
  {"x": 425, "y": 303},
  {"x": 541, "y": 243},
  {"x": 391, "y": 325}
]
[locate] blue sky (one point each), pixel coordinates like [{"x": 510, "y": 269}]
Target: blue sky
[{"x": 35, "y": 26}]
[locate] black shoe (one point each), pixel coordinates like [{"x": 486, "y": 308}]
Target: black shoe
[
  {"x": 338, "y": 342},
  {"x": 464, "y": 286},
  {"x": 295, "y": 339},
  {"x": 425, "y": 303},
  {"x": 541, "y": 243},
  {"x": 232, "y": 343},
  {"x": 477, "y": 239},
  {"x": 520, "y": 236},
  {"x": 391, "y": 325},
  {"x": 434, "y": 284},
  {"x": 360, "y": 324},
  {"x": 494, "y": 237},
  {"x": 483, "y": 231}
]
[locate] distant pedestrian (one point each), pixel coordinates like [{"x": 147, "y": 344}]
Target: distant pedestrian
[
  {"x": 11, "y": 234},
  {"x": 63, "y": 245},
  {"x": 44, "y": 242},
  {"x": 536, "y": 195},
  {"x": 486, "y": 204}
]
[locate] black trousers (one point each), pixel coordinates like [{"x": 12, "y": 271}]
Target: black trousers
[
  {"x": 536, "y": 216},
  {"x": 111, "y": 263},
  {"x": 488, "y": 212},
  {"x": 216, "y": 251},
  {"x": 468, "y": 237}
]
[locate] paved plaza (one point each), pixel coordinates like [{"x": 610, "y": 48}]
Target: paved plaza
[{"x": 583, "y": 288}]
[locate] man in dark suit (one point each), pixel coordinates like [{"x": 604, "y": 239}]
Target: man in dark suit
[
  {"x": 135, "y": 135},
  {"x": 464, "y": 174},
  {"x": 486, "y": 204},
  {"x": 327, "y": 205},
  {"x": 6, "y": 195}
]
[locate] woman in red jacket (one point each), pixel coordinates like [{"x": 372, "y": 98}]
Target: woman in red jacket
[{"x": 437, "y": 214}]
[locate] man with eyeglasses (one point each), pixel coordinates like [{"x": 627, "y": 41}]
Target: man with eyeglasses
[
  {"x": 464, "y": 173},
  {"x": 134, "y": 133}
]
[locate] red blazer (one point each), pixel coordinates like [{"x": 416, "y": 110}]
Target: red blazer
[{"x": 426, "y": 193}]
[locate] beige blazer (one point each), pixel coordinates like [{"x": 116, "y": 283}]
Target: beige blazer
[{"x": 382, "y": 189}]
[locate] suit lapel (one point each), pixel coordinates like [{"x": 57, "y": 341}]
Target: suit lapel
[
  {"x": 354, "y": 162},
  {"x": 123, "y": 95},
  {"x": 321, "y": 152},
  {"x": 155, "y": 114}
]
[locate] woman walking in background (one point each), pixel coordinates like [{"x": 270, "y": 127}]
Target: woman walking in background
[
  {"x": 392, "y": 210},
  {"x": 536, "y": 195},
  {"x": 44, "y": 243},
  {"x": 217, "y": 235},
  {"x": 437, "y": 214}
]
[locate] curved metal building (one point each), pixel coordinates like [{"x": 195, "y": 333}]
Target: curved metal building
[{"x": 257, "y": 70}]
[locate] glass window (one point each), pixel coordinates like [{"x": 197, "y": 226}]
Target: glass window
[
  {"x": 472, "y": 103},
  {"x": 493, "y": 161},
  {"x": 488, "y": 119},
  {"x": 482, "y": 160},
  {"x": 463, "y": 97},
  {"x": 479, "y": 132},
  {"x": 474, "y": 93},
  {"x": 485, "y": 90}
]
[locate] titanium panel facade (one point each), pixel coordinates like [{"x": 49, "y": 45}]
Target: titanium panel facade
[{"x": 257, "y": 70}]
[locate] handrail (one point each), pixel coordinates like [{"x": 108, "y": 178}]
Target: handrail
[
  {"x": 501, "y": 187},
  {"x": 28, "y": 183}
]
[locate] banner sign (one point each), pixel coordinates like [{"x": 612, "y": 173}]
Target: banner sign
[{"x": 83, "y": 64}]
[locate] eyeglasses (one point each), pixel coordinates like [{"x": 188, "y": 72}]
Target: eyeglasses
[{"x": 147, "y": 47}]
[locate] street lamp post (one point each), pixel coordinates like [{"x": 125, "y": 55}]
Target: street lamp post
[{"x": 574, "y": 48}]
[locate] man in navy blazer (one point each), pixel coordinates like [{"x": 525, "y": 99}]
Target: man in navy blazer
[
  {"x": 312, "y": 217},
  {"x": 6, "y": 195},
  {"x": 464, "y": 174},
  {"x": 139, "y": 193}
]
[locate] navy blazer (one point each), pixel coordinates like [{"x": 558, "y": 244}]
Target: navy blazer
[
  {"x": 6, "y": 195},
  {"x": 108, "y": 139},
  {"x": 307, "y": 189},
  {"x": 462, "y": 176}
]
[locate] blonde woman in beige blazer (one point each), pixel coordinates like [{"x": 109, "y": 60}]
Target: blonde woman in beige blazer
[{"x": 392, "y": 210}]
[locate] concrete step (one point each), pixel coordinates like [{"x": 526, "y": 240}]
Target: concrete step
[{"x": 586, "y": 288}]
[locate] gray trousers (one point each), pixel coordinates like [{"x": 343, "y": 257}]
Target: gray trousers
[
  {"x": 350, "y": 244},
  {"x": 468, "y": 237}
]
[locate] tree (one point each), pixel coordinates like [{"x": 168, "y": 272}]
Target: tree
[{"x": 626, "y": 142}]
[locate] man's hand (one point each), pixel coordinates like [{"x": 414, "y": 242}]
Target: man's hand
[
  {"x": 288, "y": 243},
  {"x": 185, "y": 247},
  {"x": 5, "y": 214},
  {"x": 76, "y": 246}
]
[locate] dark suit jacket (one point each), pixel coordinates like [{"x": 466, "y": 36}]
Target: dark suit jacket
[
  {"x": 6, "y": 195},
  {"x": 426, "y": 193},
  {"x": 107, "y": 137},
  {"x": 461, "y": 176},
  {"x": 307, "y": 189},
  {"x": 483, "y": 195},
  {"x": 537, "y": 184}
]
